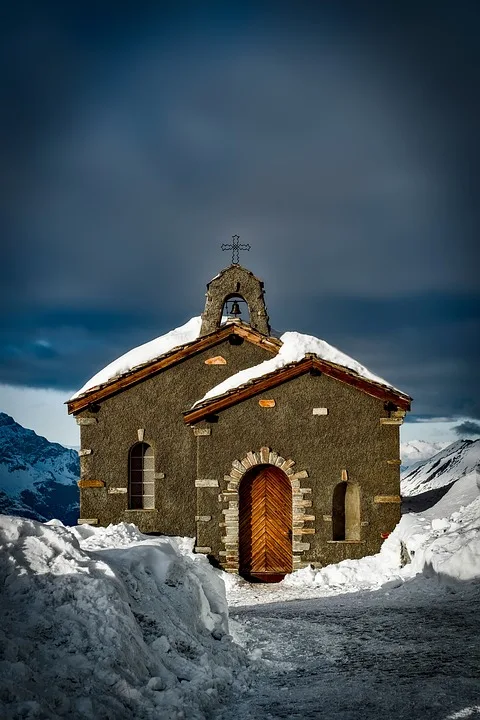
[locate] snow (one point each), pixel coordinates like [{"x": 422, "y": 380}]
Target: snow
[
  {"x": 415, "y": 451},
  {"x": 100, "y": 623},
  {"x": 443, "y": 542},
  {"x": 294, "y": 348},
  {"x": 144, "y": 353},
  {"x": 107, "y": 622},
  {"x": 456, "y": 460}
]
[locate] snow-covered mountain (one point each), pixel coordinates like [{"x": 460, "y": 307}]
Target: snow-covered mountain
[
  {"x": 444, "y": 468},
  {"x": 38, "y": 479},
  {"x": 415, "y": 451}
]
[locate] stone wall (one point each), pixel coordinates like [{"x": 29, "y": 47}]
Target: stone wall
[
  {"x": 151, "y": 411},
  {"x": 321, "y": 431}
]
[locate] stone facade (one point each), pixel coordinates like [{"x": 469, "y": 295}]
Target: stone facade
[
  {"x": 317, "y": 452},
  {"x": 327, "y": 434}
]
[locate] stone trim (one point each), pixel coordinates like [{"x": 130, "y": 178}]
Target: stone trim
[
  {"x": 86, "y": 451},
  {"x": 264, "y": 456},
  {"x": 391, "y": 421},
  {"x": 86, "y": 420},
  {"x": 204, "y": 550},
  {"x": 206, "y": 483},
  {"x": 87, "y": 521},
  {"x": 199, "y": 431},
  {"x": 387, "y": 499},
  {"x": 90, "y": 484}
]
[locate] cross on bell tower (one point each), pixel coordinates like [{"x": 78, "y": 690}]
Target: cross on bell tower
[{"x": 235, "y": 247}]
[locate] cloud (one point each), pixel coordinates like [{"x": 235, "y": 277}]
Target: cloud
[
  {"x": 339, "y": 145},
  {"x": 468, "y": 428}
]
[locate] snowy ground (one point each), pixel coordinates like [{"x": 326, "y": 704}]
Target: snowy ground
[
  {"x": 368, "y": 639},
  {"x": 108, "y": 623}
]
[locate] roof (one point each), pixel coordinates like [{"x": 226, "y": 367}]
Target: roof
[
  {"x": 234, "y": 395},
  {"x": 159, "y": 354}
]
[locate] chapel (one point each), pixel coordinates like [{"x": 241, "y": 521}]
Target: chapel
[{"x": 272, "y": 452}]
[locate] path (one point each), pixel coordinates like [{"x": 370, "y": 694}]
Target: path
[{"x": 407, "y": 653}]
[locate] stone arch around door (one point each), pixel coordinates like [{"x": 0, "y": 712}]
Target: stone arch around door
[{"x": 301, "y": 504}]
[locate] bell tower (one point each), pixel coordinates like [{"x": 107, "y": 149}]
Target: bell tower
[{"x": 235, "y": 282}]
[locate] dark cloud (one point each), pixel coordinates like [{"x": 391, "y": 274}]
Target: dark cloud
[
  {"x": 340, "y": 142},
  {"x": 467, "y": 429}
]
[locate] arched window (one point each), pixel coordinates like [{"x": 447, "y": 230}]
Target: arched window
[
  {"x": 141, "y": 478},
  {"x": 346, "y": 512}
]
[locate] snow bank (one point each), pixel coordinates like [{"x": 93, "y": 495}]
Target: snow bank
[
  {"x": 294, "y": 348},
  {"x": 442, "y": 542},
  {"x": 144, "y": 354},
  {"x": 109, "y": 623}
]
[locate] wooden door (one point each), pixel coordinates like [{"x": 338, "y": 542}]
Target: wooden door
[{"x": 265, "y": 524}]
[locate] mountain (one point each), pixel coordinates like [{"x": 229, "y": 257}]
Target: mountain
[
  {"x": 415, "y": 451},
  {"x": 38, "y": 478},
  {"x": 443, "y": 469}
]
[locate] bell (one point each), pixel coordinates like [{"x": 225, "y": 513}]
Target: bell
[{"x": 235, "y": 311}]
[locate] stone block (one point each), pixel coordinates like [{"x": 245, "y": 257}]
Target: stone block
[
  {"x": 202, "y": 431},
  {"x": 320, "y": 411},
  {"x": 387, "y": 499},
  {"x": 236, "y": 474},
  {"x": 287, "y": 464},
  {"x": 87, "y": 521},
  {"x": 117, "y": 491},
  {"x": 264, "y": 454},
  {"x": 206, "y": 483},
  {"x": 300, "y": 475},
  {"x": 92, "y": 484},
  {"x": 85, "y": 451},
  {"x": 237, "y": 465},
  {"x": 203, "y": 550},
  {"x": 86, "y": 420},
  {"x": 203, "y": 518},
  {"x": 279, "y": 461},
  {"x": 300, "y": 546}
]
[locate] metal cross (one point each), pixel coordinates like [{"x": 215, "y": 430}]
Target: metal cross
[{"x": 235, "y": 247}]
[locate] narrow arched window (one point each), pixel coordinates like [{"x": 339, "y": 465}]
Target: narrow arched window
[
  {"x": 346, "y": 512},
  {"x": 141, "y": 478}
]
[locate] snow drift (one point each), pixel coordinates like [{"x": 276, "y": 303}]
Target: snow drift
[{"x": 109, "y": 623}]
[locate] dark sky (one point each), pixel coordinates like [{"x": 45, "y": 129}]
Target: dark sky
[{"x": 340, "y": 142}]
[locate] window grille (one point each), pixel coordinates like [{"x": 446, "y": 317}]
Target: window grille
[{"x": 141, "y": 485}]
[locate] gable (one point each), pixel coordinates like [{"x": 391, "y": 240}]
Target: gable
[
  {"x": 234, "y": 329},
  {"x": 308, "y": 365}
]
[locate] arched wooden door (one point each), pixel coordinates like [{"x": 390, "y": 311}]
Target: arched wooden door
[{"x": 265, "y": 524}]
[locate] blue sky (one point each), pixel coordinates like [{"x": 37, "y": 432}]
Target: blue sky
[{"x": 340, "y": 142}]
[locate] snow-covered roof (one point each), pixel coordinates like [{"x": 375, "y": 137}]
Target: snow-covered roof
[
  {"x": 148, "y": 352},
  {"x": 295, "y": 346}
]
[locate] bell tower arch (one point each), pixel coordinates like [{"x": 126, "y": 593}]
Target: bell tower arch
[{"x": 235, "y": 281}]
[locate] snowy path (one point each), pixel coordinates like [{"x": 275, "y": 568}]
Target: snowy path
[{"x": 411, "y": 652}]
